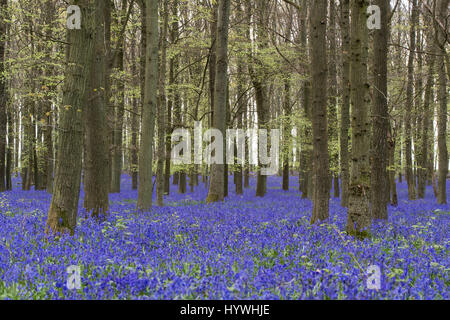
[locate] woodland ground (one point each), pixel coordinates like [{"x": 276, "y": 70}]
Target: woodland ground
[{"x": 244, "y": 248}]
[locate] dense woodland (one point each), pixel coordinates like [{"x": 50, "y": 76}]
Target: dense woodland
[{"x": 361, "y": 108}]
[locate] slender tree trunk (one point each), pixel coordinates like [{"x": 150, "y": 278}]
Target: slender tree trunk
[
  {"x": 442, "y": 98},
  {"x": 423, "y": 160},
  {"x": 345, "y": 106},
  {"x": 333, "y": 102},
  {"x": 9, "y": 152},
  {"x": 3, "y": 97},
  {"x": 134, "y": 125},
  {"x": 117, "y": 152},
  {"x": 47, "y": 107},
  {"x": 287, "y": 132},
  {"x": 391, "y": 171},
  {"x": 162, "y": 112},
  {"x": 108, "y": 70},
  {"x": 287, "y": 110},
  {"x": 305, "y": 169},
  {"x": 171, "y": 97},
  {"x": 258, "y": 76},
  {"x": 409, "y": 104}
]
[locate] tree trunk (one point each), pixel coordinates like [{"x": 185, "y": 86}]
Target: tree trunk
[
  {"x": 391, "y": 171},
  {"x": 216, "y": 186},
  {"x": 358, "y": 219},
  {"x": 9, "y": 151},
  {"x": 321, "y": 191},
  {"x": 380, "y": 116},
  {"x": 162, "y": 112},
  {"x": 96, "y": 200},
  {"x": 442, "y": 98},
  {"x": 3, "y": 98},
  {"x": 345, "y": 106},
  {"x": 64, "y": 205},
  {"x": 423, "y": 165},
  {"x": 134, "y": 125},
  {"x": 287, "y": 132},
  {"x": 409, "y": 104},
  {"x": 333, "y": 102},
  {"x": 117, "y": 152},
  {"x": 150, "y": 104}
]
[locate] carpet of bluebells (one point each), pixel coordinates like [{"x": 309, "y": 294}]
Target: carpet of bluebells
[{"x": 244, "y": 248}]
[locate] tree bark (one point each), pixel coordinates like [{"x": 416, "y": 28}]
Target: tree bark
[
  {"x": 380, "y": 116},
  {"x": 358, "y": 218},
  {"x": 409, "y": 104},
  {"x": 96, "y": 189},
  {"x": 423, "y": 165},
  {"x": 333, "y": 103},
  {"x": 150, "y": 104},
  {"x": 162, "y": 112},
  {"x": 216, "y": 186},
  {"x": 345, "y": 106},
  {"x": 442, "y": 98},
  {"x": 64, "y": 204},
  {"x": 319, "y": 72},
  {"x": 3, "y": 97},
  {"x": 117, "y": 151}
]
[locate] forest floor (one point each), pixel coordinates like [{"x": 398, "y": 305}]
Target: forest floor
[{"x": 244, "y": 248}]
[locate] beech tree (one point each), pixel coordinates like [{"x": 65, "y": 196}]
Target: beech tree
[
  {"x": 3, "y": 96},
  {"x": 216, "y": 187},
  {"x": 64, "y": 205},
  {"x": 96, "y": 157},
  {"x": 321, "y": 191},
  {"x": 440, "y": 23},
  {"x": 380, "y": 116},
  {"x": 358, "y": 219},
  {"x": 145, "y": 189}
]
